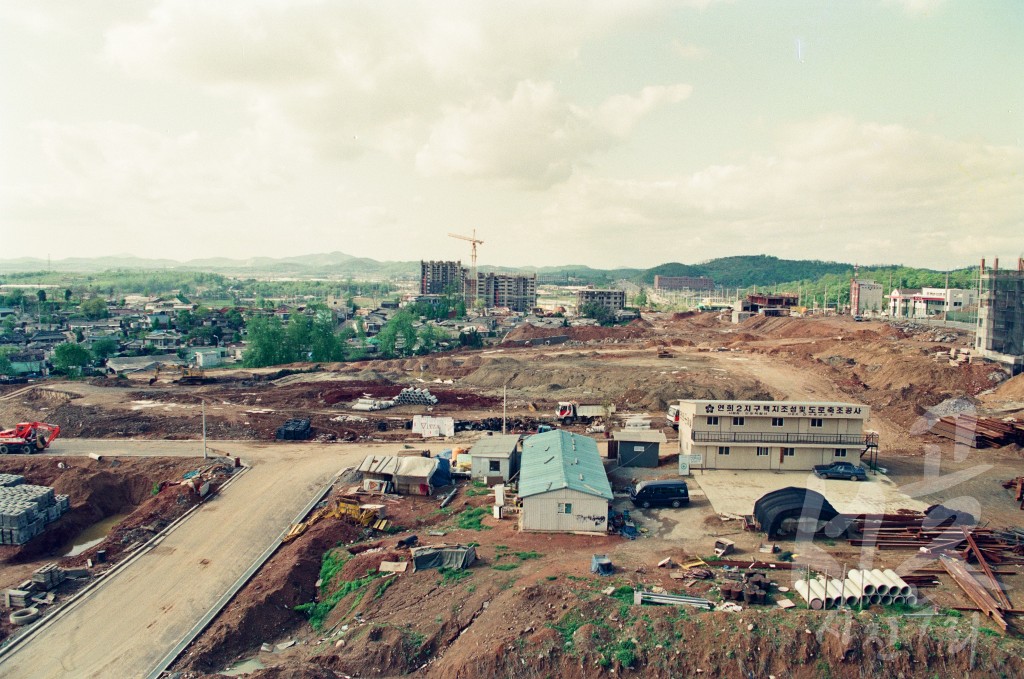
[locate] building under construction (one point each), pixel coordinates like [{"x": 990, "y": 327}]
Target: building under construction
[
  {"x": 518, "y": 292},
  {"x": 439, "y": 278},
  {"x": 1000, "y": 335}
]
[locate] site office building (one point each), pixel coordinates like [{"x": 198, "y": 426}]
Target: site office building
[{"x": 770, "y": 435}]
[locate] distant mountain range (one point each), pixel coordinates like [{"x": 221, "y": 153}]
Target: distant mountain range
[{"x": 744, "y": 270}]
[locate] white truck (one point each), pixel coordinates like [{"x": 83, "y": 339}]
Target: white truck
[
  {"x": 672, "y": 415},
  {"x": 570, "y": 412}
]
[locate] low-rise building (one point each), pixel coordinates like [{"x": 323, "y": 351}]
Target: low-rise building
[
  {"x": 563, "y": 485},
  {"x": 637, "y": 447},
  {"x": 495, "y": 456},
  {"x": 770, "y": 435}
]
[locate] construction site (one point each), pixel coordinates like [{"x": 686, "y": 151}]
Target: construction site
[{"x": 374, "y": 518}]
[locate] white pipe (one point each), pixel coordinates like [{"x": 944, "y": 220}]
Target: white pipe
[
  {"x": 861, "y": 578},
  {"x": 875, "y": 599},
  {"x": 886, "y": 600},
  {"x": 904, "y": 587},
  {"x": 893, "y": 582},
  {"x": 819, "y": 590},
  {"x": 911, "y": 600},
  {"x": 852, "y": 592},
  {"x": 834, "y": 589},
  {"x": 813, "y": 601},
  {"x": 878, "y": 580},
  {"x": 899, "y": 599}
]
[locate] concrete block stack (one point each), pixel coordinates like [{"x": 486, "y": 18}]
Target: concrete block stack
[
  {"x": 49, "y": 576},
  {"x": 25, "y": 509}
]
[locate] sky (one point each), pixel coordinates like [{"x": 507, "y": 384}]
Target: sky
[{"x": 601, "y": 133}]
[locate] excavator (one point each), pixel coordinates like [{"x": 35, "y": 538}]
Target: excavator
[
  {"x": 187, "y": 374},
  {"x": 28, "y": 437}
]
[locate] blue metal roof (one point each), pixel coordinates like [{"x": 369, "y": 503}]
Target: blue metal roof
[{"x": 559, "y": 459}]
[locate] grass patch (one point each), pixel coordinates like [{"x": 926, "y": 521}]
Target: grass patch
[
  {"x": 552, "y": 577},
  {"x": 317, "y": 612},
  {"x": 526, "y": 556},
  {"x": 383, "y": 587},
  {"x": 505, "y": 566},
  {"x": 786, "y": 556},
  {"x": 472, "y": 519},
  {"x": 568, "y": 625},
  {"x": 623, "y": 594},
  {"x": 450, "y": 576}
]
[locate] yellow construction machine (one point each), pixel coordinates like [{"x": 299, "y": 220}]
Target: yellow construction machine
[{"x": 344, "y": 508}]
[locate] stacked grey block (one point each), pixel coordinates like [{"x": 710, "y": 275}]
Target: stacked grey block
[
  {"x": 49, "y": 576},
  {"x": 414, "y": 396},
  {"x": 26, "y": 509}
]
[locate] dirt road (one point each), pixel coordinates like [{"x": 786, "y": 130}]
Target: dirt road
[{"x": 127, "y": 625}]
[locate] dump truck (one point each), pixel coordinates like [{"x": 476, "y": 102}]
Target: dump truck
[
  {"x": 570, "y": 412},
  {"x": 27, "y": 437}
]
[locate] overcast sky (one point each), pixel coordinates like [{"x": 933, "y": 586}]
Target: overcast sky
[{"x": 604, "y": 133}]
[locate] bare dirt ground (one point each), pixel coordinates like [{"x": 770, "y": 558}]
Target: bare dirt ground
[{"x": 531, "y": 607}]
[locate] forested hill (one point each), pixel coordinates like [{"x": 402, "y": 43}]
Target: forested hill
[
  {"x": 730, "y": 272},
  {"x": 747, "y": 270}
]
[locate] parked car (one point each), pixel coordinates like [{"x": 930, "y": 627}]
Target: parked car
[
  {"x": 667, "y": 493},
  {"x": 840, "y": 470}
]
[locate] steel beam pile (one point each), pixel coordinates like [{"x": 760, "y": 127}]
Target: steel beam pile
[
  {"x": 979, "y": 432},
  {"x": 976, "y": 590}
]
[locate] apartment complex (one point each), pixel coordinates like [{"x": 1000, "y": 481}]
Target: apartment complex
[
  {"x": 683, "y": 283},
  {"x": 1000, "y": 334},
  {"x": 770, "y": 435},
  {"x": 438, "y": 278},
  {"x": 515, "y": 291},
  {"x": 613, "y": 300}
]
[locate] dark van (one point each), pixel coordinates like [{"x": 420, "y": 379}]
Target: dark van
[{"x": 667, "y": 493}]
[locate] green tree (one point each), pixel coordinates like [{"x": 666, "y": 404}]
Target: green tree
[
  {"x": 104, "y": 348},
  {"x": 400, "y": 325},
  {"x": 5, "y": 362},
  {"x": 41, "y": 294},
  {"x": 69, "y": 358},
  {"x": 184, "y": 320},
  {"x": 67, "y": 295},
  {"x": 598, "y": 312},
  {"x": 94, "y": 308},
  {"x": 265, "y": 343},
  {"x": 641, "y": 298}
]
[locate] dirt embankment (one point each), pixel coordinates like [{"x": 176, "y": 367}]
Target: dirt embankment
[{"x": 96, "y": 490}]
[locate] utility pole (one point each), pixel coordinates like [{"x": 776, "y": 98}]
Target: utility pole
[{"x": 204, "y": 429}]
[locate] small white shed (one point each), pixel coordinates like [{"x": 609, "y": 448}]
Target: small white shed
[{"x": 495, "y": 456}]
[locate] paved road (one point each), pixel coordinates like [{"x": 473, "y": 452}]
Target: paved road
[{"x": 127, "y": 625}]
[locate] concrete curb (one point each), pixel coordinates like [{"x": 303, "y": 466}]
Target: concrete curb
[
  {"x": 215, "y": 610},
  {"x": 31, "y": 631}
]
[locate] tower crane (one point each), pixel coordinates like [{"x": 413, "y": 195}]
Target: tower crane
[{"x": 474, "y": 241}]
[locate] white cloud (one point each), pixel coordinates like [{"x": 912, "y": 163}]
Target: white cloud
[
  {"x": 690, "y": 52},
  {"x": 833, "y": 188},
  {"x": 534, "y": 138},
  {"x": 916, "y": 8}
]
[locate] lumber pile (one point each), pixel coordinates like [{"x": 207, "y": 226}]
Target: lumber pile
[
  {"x": 914, "y": 531},
  {"x": 979, "y": 432}
]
